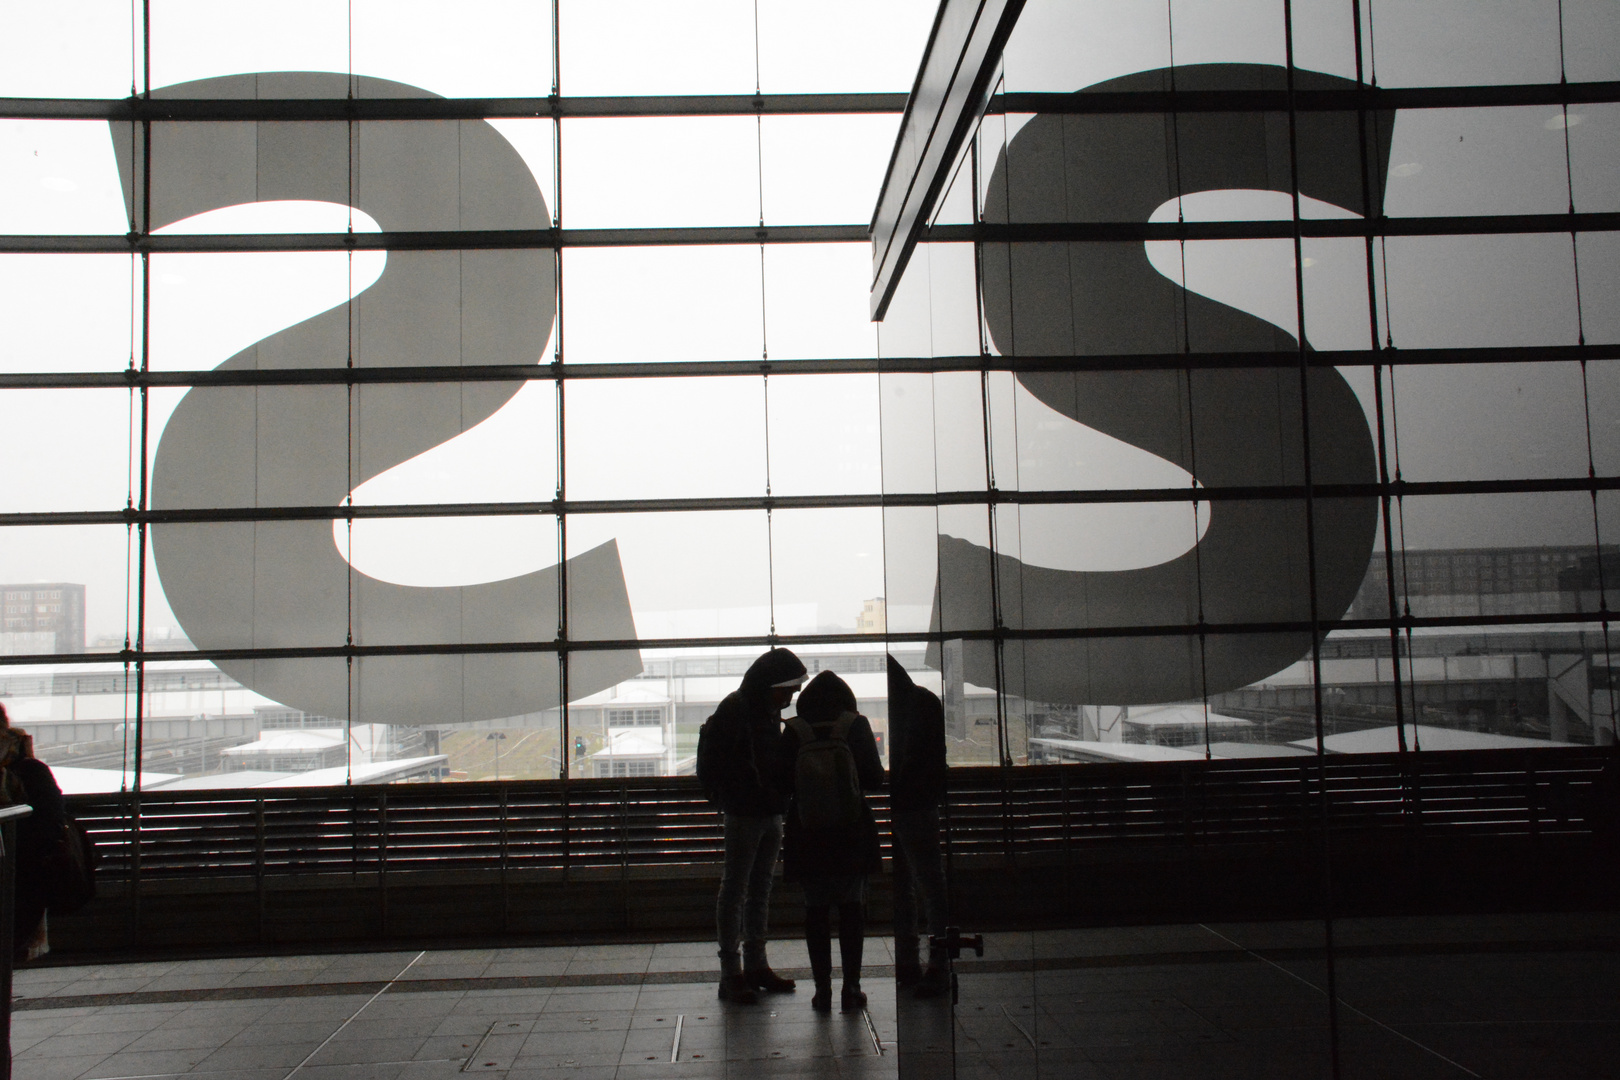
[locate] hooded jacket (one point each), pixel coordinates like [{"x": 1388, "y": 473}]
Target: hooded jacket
[
  {"x": 848, "y": 850},
  {"x": 747, "y": 730},
  {"x": 916, "y": 744}
]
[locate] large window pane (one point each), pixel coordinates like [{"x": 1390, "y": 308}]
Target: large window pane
[
  {"x": 99, "y": 559},
  {"x": 650, "y": 47},
  {"x": 1600, "y": 283},
  {"x": 81, "y": 48},
  {"x": 399, "y": 175},
  {"x": 1587, "y": 25},
  {"x": 1559, "y": 519},
  {"x": 827, "y": 570},
  {"x": 660, "y": 171},
  {"x": 1480, "y": 291},
  {"x": 67, "y": 313},
  {"x": 1477, "y": 161},
  {"x": 824, "y": 435},
  {"x": 816, "y": 302},
  {"x": 59, "y": 177},
  {"x": 1459, "y": 43},
  {"x": 480, "y": 48},
  {"x": 643, "y": 305},
  {"x": 1594, "y": 155},
  {"x": 841, "y": 45},
  {"x": 78, "y": 447},
  {"x": 689, "y": 574},
  {"x": 669, "y": 438},
  {"x": 1489, "y": 421},
  {"x": 823, "y": 169}
]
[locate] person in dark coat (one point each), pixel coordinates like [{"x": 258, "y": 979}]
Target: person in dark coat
[
  {"x": 831, "y": 863},
  {"x": 743, "y": 773},
  {"x": 29, "y": 780},
  {"x": 916, "y": 790}
]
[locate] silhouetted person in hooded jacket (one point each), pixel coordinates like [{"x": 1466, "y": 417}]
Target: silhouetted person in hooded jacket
[
  {"x": 916, "y": 790},
  {"x": 831, "y": 862},
  {"x": 746, "y": 783},
  {"x": 29, "y": 780}
]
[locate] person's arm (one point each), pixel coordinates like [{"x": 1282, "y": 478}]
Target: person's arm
[{"x": 864, "y": 746}]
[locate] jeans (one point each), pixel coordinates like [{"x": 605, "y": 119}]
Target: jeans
[
  {"x": 752, "y": 844},
  {"x": 918, "y": 869}
]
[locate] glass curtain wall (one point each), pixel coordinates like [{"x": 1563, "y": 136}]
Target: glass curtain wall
[
  {"x": 381, "y": 377},
  {"x": 1266, "y": 418}
]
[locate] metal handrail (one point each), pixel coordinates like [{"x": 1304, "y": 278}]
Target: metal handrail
[{"x": 626, "y": 826}]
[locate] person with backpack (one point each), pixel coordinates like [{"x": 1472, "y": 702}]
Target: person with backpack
[
  {"x": 740, "y": 767},
  {"x": 916, "y": 790},
  {"x": 831, "y": 839}
]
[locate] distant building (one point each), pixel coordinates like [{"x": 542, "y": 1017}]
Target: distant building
[
  {"x": 44, "y": 617},
  {"x": 1451, "y": 582},
  {"x": 874, "y": 617}
]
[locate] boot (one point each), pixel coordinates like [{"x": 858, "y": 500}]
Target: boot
[
  {"x": 936, "y": 981},
  {"x": 818, "y": 942},
  {"x": 757, "y": 972},
  {"x": 907, "y": 968},
  {"x": 733, "y": 987},
  {"x": 851, "y": 943}
]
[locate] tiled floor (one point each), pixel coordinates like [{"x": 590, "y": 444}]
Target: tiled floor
[
  {"x": 1512, "y": 997},
  {"x": 591, "y": 1011}
]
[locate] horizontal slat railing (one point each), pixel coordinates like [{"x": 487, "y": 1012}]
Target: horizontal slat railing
[{"x": 1035, "y": 812}]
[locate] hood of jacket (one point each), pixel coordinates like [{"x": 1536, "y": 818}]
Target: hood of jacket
[
  {"x": 901, "y": 688},
  {"x": 776, "y": 666},
  {"x": 911, "y": 706},
  {"x": 826, "y": 698}
]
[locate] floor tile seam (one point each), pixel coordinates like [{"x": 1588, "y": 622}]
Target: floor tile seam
[
  {"x": 350, "y": 1019},
  {"x": 634, "y": 978},
  {"x": 1341, "y": 1002},
  {"x": 683, "y": 978}
]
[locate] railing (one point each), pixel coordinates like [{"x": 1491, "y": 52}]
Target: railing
[{"x": 1032, "y": 813}]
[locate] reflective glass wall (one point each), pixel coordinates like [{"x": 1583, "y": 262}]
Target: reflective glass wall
[
  {"x": 1274, "y": 398},
  {"x": 382, "y": 377}
]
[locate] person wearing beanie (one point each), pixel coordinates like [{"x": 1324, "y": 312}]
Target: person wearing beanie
[
  {"x": 740, "y": 767},
  {"x": 916, "y": 790},
  {"x": 832, "y": 842}
]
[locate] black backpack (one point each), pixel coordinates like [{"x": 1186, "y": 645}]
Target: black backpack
[
  {"x": 710, "y": 767},
  {"x": 826, "y": 782}
]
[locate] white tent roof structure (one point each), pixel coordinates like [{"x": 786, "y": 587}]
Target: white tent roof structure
[
  {"x": 76, "y": 781},
  {"x": 1090, "y": 750},
  {"x": 1183, "y": 716},
  {"x": 1383, "y": 741}
]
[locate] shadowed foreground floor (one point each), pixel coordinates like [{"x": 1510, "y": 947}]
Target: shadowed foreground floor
[{"x": 1521, "y": 996}]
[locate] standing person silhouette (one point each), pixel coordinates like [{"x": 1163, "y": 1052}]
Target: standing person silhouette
[
  {"x": 741, "y": 769},
  {"x": 916, "y": 790},
  {"x": 831, "y": 842},
  {"x": 26, "y": 779}
]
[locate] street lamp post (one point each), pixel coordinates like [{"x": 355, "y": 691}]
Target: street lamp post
[{"x": 496, "y": 737}]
